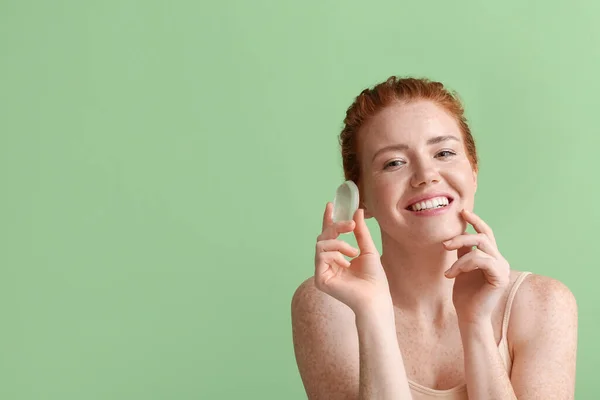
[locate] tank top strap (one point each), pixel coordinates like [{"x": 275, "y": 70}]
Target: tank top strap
[{"x": 509, "y": 301}]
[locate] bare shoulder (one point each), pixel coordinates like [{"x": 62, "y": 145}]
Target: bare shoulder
[
  {"x": 542, "y": 337},
  {"x": 325, "y": 344},
  {"x": 307, "y": 298},
  {"x": 542, "y": 298}
]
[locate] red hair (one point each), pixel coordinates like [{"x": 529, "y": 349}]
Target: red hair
[{"x": 392, "y": 91}]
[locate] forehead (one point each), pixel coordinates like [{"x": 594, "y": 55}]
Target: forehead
[{"x": 406, "y": 123}]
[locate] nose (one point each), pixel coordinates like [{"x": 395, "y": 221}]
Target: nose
[{"x": 424, "y": 174}]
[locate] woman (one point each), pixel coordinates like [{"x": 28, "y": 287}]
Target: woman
[{"x": 439, "y": 314}]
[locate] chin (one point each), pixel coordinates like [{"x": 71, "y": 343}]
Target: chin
[
  {"x": 436, "y": 234},
  {"x": 455, "y": 229}
]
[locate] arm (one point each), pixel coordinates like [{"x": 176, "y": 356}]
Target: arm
[
  {"x": 543, "y": 328},
  {"x": 485, "y": 373},
  {"x": 382, "y": 372},
  {"x": 543, "y": 332},
  {"x": 342, "y": 355},
  {"x": 544, "y": 337}
]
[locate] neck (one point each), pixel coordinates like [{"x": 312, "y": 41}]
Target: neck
[{"x": 415, "y": 273}]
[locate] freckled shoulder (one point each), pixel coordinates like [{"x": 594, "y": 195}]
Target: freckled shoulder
[
  {"x": 325, "y": 344},
  {"x": 542, "y": 337},
  {"x": 540, "y": 301}
]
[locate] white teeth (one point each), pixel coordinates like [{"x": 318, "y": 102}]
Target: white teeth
[{"x": 431, "y": 203}]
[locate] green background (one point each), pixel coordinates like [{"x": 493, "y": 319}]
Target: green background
[{"x": 164, "y": 167}]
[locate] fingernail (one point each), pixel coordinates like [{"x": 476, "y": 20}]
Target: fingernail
[
  {"x": 447, "y": 242},
  {"x": 448, "y": 270}
]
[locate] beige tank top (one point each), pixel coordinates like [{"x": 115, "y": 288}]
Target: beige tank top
[{"x": 420, "y": 392}]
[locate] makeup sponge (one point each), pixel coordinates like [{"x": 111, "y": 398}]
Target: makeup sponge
[{"x": 345, "y": 202}]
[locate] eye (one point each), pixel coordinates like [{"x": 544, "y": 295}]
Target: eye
[
  {"x": 446, "y": 153},
  {"x": 394, "y": 163}
]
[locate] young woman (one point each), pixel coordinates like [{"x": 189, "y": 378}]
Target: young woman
[{"x": 440, "y": 314}]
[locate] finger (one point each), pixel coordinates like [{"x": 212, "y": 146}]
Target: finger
[
  {"x": 327, "y": 216},
  {"x": 481, "y": 241},
  {"x": 337, "y": 245},
  {"x": 479, "y": 224},
  {"x": 495, "y": 275},
  {"x": 468, "y": 263},
  {"x": 335, "y": 229},
  {"x": 467, "y": 267},
  {"x": 462, "y": 251},
  {"x": 362, "y": 234},
  {"x": 330, "y": 260}
]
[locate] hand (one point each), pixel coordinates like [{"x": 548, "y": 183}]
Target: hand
[
  {"x": 357, "y": 283},
  {"x": 481, "y": 275}
]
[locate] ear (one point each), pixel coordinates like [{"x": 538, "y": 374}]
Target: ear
[{"x": 475, "y": 179}]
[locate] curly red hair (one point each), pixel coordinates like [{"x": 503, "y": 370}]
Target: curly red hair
[{"x": 395, "y": 89}]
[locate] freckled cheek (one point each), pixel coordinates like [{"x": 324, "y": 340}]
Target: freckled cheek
[
  {"x": 463, "y": 183},
  {"x": 387, "y": 196}
]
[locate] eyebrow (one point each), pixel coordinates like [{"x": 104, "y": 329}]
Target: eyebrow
[{"x": 433, "y": 140}]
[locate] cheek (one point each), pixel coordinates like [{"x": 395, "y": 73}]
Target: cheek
[
  {"x": 463, "y": 180},
  {"x": 382, "y": 194}
]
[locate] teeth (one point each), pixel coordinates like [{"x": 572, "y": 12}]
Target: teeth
[{"x": 431, "y": 203}]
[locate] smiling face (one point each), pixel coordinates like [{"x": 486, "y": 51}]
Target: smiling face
[{"x": 410, "y": 152}]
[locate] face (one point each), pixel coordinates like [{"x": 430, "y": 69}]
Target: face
[{"x": 410, "y": 152}]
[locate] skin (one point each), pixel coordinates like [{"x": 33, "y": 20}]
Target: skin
[{"x": 428, "y": 309}]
